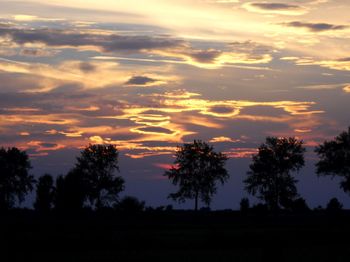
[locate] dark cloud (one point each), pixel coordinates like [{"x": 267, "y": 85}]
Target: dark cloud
[
  {"x": 250, "y": 47},
  {"x": 345, "y": 59},
  {"x": 30, "y": 52},
  {"x": 141, "y": 80},
  {"x": 221, "y": 109},
  {"x": 205, "y": 56},
  {"x": 315, "y": 27},
  {"x": 106, "y": 43},
  {"x": 48, "y": 145},
  {"x": 275, "y": 6},
  {"x": 87, "y": 67},
  {"x": 37, "y": 52},
  {"x": 155, "y": 130}
]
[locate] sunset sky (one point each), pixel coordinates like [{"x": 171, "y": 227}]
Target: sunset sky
[{"x": 150, "y": 75}]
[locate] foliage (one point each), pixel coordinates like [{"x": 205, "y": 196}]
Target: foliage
[
  {"x": 244, "y": 205},
  {"x": 299, "y": 205},
  {"x": 130, "y": 205},
  {"x": 270, "y": 177},
  {"x": 70, "y": 192},
  {"x": 335, "y": 159},
  {"x": 196, "y": 171},
  {"x": 97, "y": 165},
  {"x": 334, "y": 205},
  {"x": 45, "y": 193},
  {"x": 15, "y": 181}
]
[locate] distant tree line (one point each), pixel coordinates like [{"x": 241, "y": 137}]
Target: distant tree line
[{"x": 197, "y": 170}]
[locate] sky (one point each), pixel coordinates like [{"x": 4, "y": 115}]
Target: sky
[{"x": 148, "y": 76}]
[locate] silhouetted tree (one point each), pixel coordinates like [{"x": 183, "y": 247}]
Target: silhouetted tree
[
  {"x": 97, "y": 164},
  {"x": 244, "y": 205},
  {"x": 299, "y": 205},
  {"x": 270, "y": 177},
  {"x": 196, "y": 171},
  {"x": 130, "y": 204},
  {"x": 334, "y": 205},
  {"x": 260, "y": 209},
  {"x": 45, "y": 193},
  {"x": 71, "y": 192},
  {"x": 335, "y": 159},
  {"x": 15, "y": 181}
]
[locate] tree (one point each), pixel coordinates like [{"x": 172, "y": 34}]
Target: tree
[
  {"x": 196, "y": 171},
  {"x": 97, "y": 165},
  {"x": 334, "y": 205},
  {"x": 299, "y": 205},
  {"x": 71, "y": 192},
  {"x": 244, "y": 205},
  {"x": 45, "y": 193},
  {"x": 15, "y": 181},
  {"x": 270, "y": 176},
  {"x": 335, "y": 159},
  {"x": 130, "y": 204}
]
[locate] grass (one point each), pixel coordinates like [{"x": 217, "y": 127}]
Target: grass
[{"x": 175, "y": 236}]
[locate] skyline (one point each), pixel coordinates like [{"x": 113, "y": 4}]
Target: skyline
[{"x": 149, "y": 77}]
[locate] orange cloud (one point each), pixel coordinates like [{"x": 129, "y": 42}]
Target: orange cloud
[
  {"x": 221, "y": 139},
  {"x": 241, "y": 152}
]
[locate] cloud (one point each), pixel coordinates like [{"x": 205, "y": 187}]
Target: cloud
[
  {"x": 140, "y": 125},
  {"x": 88, "y": 39},
  {"x": 30, "y": 18},
  {"x": 315, "y": 27},
  {"x": 177, "y": 51},
  {"x": 223, "y": 139},
  {"x": 88, "y": 75},
  {"x": 153, "y": 130},
  {"x": 342, "y": 64},
  {"x": 40, "y": 146},
  {"x": 141, "y": 81},
  {"x": 347, "y": 89},
  {"x": 321, "y": 87},
  {"x": 241, "y": 152},
  {"x": 38, "y": 52},
  {"x": 275, "y": 8},
  {"x": 87, "y": 67}
]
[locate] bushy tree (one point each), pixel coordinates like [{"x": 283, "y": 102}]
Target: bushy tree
[
  {"x": 270, "y": 176},
  {"x": 335, "y": 159},
  {"x": 15, "y": 181},
  {"x": 334, "y": 205},
  {"x": 97, "y": 165},
  {"x": 71, "y": 192},
  {"x": 244, "y": 205},
  {"x": 130, "y": 204},
  {"x": 45, "y": 193},
  {"x": 299, "y": 205},
  {"x": 196, "y": 171}
]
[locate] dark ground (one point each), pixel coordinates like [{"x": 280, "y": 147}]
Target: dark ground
[{"x": 174, "y": 236}]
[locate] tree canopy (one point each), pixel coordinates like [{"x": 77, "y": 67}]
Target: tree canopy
[
  {"x": 196, "y": 171},
  {"x": 269, "y": 177},
  {"x": 71, "y": 192},
  {"x": 45, "y": 193},
  {"x": 335, "y": 159},
  {"x": 97, "y": 165},
  {"x": 15, "y": 181}
]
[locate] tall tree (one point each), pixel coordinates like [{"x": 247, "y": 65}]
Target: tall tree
[
  {"x": 270, "y": 176},
  {"x": 15, "y": 181},
  {"x": 97, "y": 164},
  {"x": 71, "y": 192},
  {"x": 335, "y": 159},
  {"x": 45, "y": 192},
  {"x": 196, "y": 171}
]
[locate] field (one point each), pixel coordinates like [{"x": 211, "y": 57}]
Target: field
[{"x": 175, "y": 236}]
